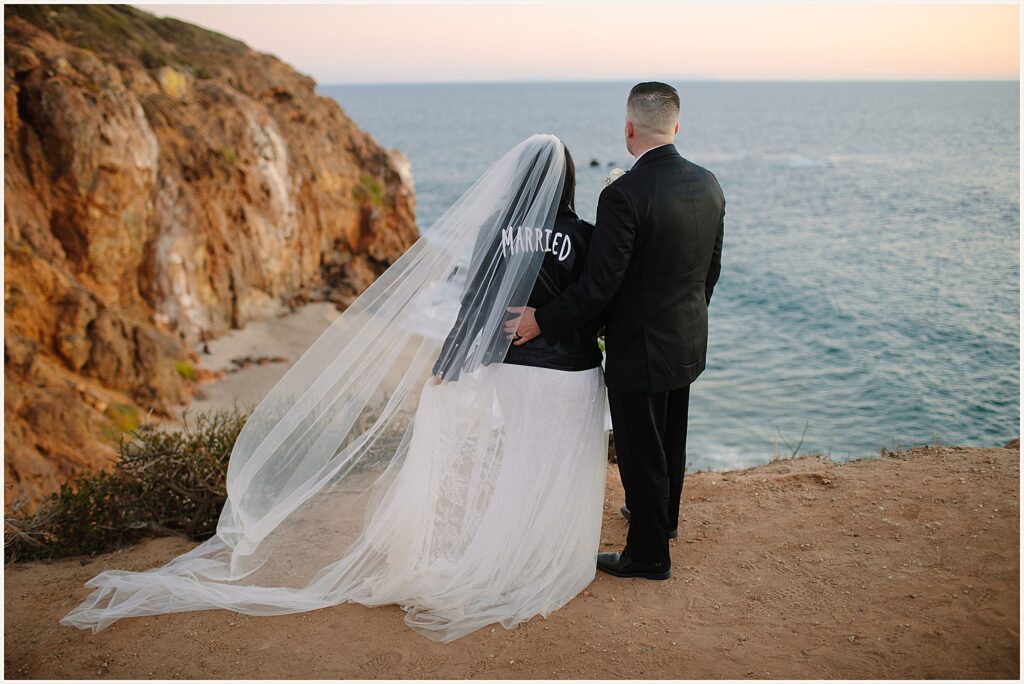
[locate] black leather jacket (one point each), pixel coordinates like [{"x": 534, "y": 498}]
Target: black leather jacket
[
  {"x": 578, "y": 350},
  {"x": 562, "y": 265}
]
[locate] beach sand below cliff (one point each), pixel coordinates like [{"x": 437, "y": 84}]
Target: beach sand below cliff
[
  {"x": 903, "y": 566},
  {"x": 282, "y": 335}
]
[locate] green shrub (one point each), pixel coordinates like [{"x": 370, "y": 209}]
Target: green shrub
[
  {"x": 119, "y": 29},
  {"x": 124, "y": 416},
  {"x": 164, "y": 483},
  {"x": 153, "y": 57},
  {"x": 369, "y": 189},
  {"x": 228, "y": 154},
  {"x": 185, "y": 370},
  {"x": 108, "y": 21}
]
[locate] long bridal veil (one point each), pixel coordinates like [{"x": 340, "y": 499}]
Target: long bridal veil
[{"x": 310, "y": 471}]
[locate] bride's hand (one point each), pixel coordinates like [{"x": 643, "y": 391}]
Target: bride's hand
[{"x": 524, "y": 327}]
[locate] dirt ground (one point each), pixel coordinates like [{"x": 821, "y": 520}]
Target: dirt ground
[{"x": 901, "y": 566}]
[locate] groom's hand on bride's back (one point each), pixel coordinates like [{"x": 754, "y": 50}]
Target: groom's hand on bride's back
[{"x": 523, "y": 327}]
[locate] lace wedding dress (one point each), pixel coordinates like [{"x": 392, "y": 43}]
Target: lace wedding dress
[
  {"x": 501, "y": 528},
  {"x": 467, "y": 503}
]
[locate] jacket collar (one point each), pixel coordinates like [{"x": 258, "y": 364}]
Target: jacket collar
[{"x": 656, "y": 153}]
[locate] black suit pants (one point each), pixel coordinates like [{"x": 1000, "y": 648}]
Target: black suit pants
[{"x": 650, "y": 447}]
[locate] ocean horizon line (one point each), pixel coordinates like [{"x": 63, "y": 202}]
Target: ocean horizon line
[{"x": 690, "y": 79}]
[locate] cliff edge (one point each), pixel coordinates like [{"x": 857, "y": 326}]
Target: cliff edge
[
  {"x": 164, "y": 184},
  {"x": 905, "y": 566}
]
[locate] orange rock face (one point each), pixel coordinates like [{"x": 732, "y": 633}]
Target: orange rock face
[{"x": 162, "y": 184}]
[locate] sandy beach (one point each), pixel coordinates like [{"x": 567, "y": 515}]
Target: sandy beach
[
  {"x": 285, "y": 335},
  {"x": 903, "y": 566}
]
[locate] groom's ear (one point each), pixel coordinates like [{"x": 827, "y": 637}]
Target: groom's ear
[{"x": 677, "y": 128}]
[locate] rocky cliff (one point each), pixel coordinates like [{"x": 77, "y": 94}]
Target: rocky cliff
[{"x": 163, "y": 183}]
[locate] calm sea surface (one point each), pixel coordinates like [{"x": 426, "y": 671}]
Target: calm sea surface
[{"x": 870, "y": 273}]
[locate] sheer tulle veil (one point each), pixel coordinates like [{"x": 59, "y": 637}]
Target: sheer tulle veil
[{"x": 314, "y": 460}]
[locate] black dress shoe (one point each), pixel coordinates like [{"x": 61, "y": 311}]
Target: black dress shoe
[
  {"x": 622, "y": 565},
  {"x": 672, "y": 534}
]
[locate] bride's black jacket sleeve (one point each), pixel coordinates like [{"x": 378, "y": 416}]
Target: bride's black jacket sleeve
[{"x": 487, "y": 266}]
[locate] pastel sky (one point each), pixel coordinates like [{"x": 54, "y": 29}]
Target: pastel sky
[{"x": 361, "y": 43}]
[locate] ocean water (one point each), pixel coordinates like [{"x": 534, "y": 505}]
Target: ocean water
[{"x": 870, "y": 282}]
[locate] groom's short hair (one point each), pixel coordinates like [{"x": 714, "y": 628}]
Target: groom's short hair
[{"x": 653, "y": 107}]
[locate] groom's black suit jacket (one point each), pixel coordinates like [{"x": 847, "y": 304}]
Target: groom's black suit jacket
[{"x": 651, "y": 267}]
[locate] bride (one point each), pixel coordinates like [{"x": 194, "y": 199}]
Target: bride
[{"x": 411, "y": 455}]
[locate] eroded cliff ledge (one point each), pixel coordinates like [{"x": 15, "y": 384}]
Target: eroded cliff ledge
[{"x": 163, "y": 184}]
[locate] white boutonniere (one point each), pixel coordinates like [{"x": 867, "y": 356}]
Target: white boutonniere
[{"x": 613, "y": 176}]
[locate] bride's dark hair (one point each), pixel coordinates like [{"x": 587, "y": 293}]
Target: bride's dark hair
[{"x": 568, "y": 200}]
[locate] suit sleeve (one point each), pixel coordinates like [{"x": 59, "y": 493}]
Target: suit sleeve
[
  {"x": 716, "y": 260},
  {"x": 607, "y": 260}
]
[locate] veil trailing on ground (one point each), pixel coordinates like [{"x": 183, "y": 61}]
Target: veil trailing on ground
[{"x": 312, "y": 466}]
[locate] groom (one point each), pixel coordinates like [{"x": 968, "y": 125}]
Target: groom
[{"x": 651, "y": 267}]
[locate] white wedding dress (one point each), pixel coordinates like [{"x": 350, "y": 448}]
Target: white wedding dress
[
  {"x": 499, "y": 529},
  {"x": 357, "y": 479}
]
